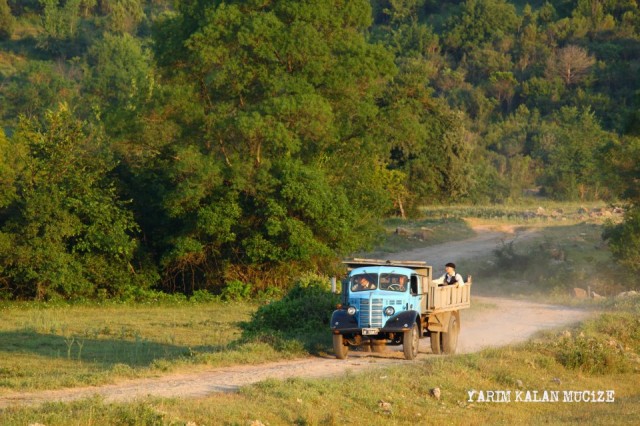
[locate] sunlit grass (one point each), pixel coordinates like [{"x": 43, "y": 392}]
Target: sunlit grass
[
  {"x": 401, "y": 394},
  {"x": 49, "y": 347}
]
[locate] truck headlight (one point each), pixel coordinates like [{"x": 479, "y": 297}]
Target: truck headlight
[
  {"x": 351, "y": 310},
  {"x": 389, "y": 311}
]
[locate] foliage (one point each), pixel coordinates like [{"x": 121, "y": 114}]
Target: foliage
[
  {"x": 603, "y": 351},
  {"x": 256, "y": 140},
  {"x": 274, "y": 175},
  {"x": 7, "y": 21},
  {"x": 624, "y": 239},
  {"x": 65, "y": 233},
  {"x": 306, "y": 307},
  {"x": 236, "y": 291}
]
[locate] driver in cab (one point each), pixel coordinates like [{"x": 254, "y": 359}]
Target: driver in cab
[{"x": 363, "y": 284}]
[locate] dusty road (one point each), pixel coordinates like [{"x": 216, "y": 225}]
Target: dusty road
[{"x": 499, "y": 322}]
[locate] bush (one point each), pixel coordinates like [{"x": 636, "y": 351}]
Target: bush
[
  {"x": 603, "y": 346},
  {"x": 236, "y": 291},
  {"x": 624, "y": 239},
  {"x": 307, "y": 307}
]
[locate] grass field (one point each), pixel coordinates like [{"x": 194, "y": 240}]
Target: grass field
[
  {"x": 599, "y": 355},
  {"x": 52, "y": 346},
  {"x": 46, "y": 347}
]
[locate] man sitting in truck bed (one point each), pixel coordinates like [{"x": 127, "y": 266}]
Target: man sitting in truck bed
[{"x": 450, "y": 276}]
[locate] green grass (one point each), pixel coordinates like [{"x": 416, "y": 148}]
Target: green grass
[
  {"x": 61, "y": 346},
  {"x": 408, "y": 234},
  {"x": 44, "y": 347},
  {"x": 606, "y": 349}
]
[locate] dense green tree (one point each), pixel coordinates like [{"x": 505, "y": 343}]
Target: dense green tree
[
  {"x": 120, "y": 80},
  {"x": 288, "y": 91},
  {"x": 59, "y": 21},
  {"x": 427, "y": 138},
  {"x": 511, "y": 142},
  {"x": 65, "y": 233},
  {"x": 481, "y": 22},
  {"x": 7, "y": 21},
  {"x": 571, "y": 145},
  {"x": 123, "y": 16},
  {"x": 624, "y": 238},
  {"x": 35, "y": 87}
]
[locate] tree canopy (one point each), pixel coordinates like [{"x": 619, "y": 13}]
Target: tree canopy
[{"x": 182, "y": 145}]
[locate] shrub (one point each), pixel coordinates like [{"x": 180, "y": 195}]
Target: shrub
[
  {"x": 236, "y": 291},
  {"x": 624, "y": 239},
  {"x": 307, "y": 307},
  {"x": 603, "y": 346}
]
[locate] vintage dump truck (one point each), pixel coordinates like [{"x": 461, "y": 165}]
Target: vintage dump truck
[{"x": 386, "y": 302}]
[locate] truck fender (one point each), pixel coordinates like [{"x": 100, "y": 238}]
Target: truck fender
[
  {"x": 439, "y": 322},
  {"x": 341, "y": 319},
  {"x": 403, "y": 320}
]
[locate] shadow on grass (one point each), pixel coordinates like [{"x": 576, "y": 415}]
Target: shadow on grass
[{"x": 106, "y": 352}]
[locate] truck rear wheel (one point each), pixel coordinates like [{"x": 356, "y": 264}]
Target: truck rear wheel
[
  {"x": 411, "y": 342},
  {"x": 436, "y": 342},
  {"x": 450, "y": 339},
  {"x": 339, "y": 348}
]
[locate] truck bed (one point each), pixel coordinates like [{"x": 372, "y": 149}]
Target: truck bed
[{"x": 448, "y": 297}]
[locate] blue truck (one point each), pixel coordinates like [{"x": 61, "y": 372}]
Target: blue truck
[{"x": 386, "y": 303}]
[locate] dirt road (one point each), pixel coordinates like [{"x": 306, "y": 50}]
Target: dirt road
[{"x": 499, "y": 322}]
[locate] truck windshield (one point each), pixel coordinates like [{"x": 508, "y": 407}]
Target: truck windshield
[
  {"x": 393, "y": 282},
  {"x": 363, "y": 282}
]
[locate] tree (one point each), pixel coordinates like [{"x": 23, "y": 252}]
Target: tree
[
  {"x": 288, "y": 92},
  {"x": 480, "y": 22},
  {"x": 7, "y": 21},
  {"x": 120, "y": 80},
  {"x": 427, "y": 139},
  {"x": 571, "y": 63},
  {"x": 65, "y": 232},
  {"x": 60, "y": 22},
  {"x": 502, "y": 85},
  {"x": 510, "y": 143},
  {"x": 571, "y": 145},
  {"x": 123, "y": 16},
  {"x": 624, "y": 238}
]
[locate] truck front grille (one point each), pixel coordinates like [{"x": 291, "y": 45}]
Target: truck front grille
[{"x": 371, "y": 313}]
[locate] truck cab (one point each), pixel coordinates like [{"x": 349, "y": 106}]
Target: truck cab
[{"x": 387, "y": 303}]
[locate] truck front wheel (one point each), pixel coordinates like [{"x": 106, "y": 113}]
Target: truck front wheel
[
  {"x": 411, "y": 342},
  {"x": 339, "y": 348}
]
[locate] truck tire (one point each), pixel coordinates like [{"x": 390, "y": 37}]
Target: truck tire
[
  {"x": 339, "y": 348},
  {"x": 411, "y": 342},
  {"x": 436, "y": 342},
  {"x": 450, "y": 339}
]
